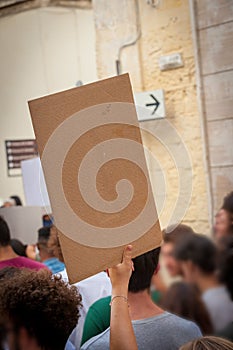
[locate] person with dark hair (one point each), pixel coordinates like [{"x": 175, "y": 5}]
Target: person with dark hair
[
  {"x": 184, "y": 300},
  {"x": 228, "y": 202},
  {"x": 53, "y": 243},
  {"x": 7, "y": 255},
  {"x": 226, "y": 265},
  {"x": 198, "y": 257},
  {"x": 46, "y": 254},
  {"x": 172, "y": 235},
  {"x": 224, "y": 219},
  {"x": 150, "y": 323},
  {"x": 226, "y": 277},
  {"x": 5, "y": 274},
  {"x": 48, "y": 258},
  {"x": 38, "y": 311},
  {"x": 18, "y": 247},
  {"x": 5, "y": 238},
  {"x": 91, "y": 288},
  {"x": 44, "y": 233},
  {"x": 12, "y": 202},
  {"x": 8, "y": 272},
  {"x": 17, "y": 200}
]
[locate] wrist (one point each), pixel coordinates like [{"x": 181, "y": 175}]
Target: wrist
[
  {"x": 120, "y": 290},
  {"x": 119, "y": 298}
]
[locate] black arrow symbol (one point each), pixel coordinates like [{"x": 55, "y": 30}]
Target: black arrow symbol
[{"x": 156, "y": 104}]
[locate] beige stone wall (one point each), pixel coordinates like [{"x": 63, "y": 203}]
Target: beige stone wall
[
  {"x": 164, "y": 30},
  {"x": 215, "y": 43}
]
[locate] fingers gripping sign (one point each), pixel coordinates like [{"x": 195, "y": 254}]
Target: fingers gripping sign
[{"x": 121, "y": 273}]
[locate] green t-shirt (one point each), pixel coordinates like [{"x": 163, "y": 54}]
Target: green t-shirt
[{"x": 98, "y": 317}]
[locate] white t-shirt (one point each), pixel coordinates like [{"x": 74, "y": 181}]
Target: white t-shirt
[
  {"x": 91, "y": 290},
  {"x": 219, "y": 305}
]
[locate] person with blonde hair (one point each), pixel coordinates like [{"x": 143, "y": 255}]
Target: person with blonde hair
[{"x": 208, "y": 343}]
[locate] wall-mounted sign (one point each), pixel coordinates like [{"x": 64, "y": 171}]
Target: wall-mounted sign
[
  {"x": 149, "y": 105},
  {"x": 16, "y": 151}
]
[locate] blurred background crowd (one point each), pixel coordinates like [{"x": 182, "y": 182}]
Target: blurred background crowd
[{"x": 199, "y": 288}]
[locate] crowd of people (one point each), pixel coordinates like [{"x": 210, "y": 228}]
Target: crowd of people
[{"x": 129, "y": 306}]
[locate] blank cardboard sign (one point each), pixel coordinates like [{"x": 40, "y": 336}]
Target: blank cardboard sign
[{"x": 95, "y": 170}]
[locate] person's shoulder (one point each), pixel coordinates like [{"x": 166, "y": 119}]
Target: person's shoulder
[
  {"x": 69, "y": 346},
  {"x": 217, "y": 298},
  {"x": 101, "y": 303},
  {"x": 64, "y": 276},
  {"x": 31, "y": 264},
  {"x": 99, "y": 342},
  {"x": 227, "y": 332},
  {"x": 215, "y": 292},
  {"x": 101, "y": 280},
  {"x": 99, "y": 277},
  {"x": 183, "y": 324}
]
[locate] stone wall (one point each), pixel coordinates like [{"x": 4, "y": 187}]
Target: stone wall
[
  {"x": 163, "y": 30},
  {"x": 215, "y": 44}
]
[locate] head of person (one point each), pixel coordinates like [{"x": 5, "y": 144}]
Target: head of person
[
  {"x": 145, "y": 267},
  {"x": 43, "y": 237},
  {"x": 17, "y": 200},
  {"x": 184, "y": 300},
  {"x": 54, "y": 244},
  {"x": 5, "y": 274},
  {"x": 39, "y": 310},
  {"x": 224, "y": 219},
  {"x": 208, "y": 343},
  {"x": 44, "y": 233},
  {"x": 226, "y": 265},
  {"x": 18, "y": 247},
  {"x": 228, "y": 202},
  {"x": 4, "y": 233},
  {"x": 9, "y": 202},
  {"x": 8, "y": 272},
  {"x": 44, "y": 252},
  {"x": 197, "y": 255},
  {"x": 171, "y": 237},
  {"x": 223, "y": 225}
]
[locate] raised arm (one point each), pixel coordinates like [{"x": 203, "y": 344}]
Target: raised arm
[{"x": 121, "y": 330}]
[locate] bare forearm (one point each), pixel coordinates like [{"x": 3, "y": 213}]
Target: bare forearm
[{"x": 121, "y": 331}]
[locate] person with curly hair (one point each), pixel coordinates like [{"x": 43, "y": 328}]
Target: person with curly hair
[
  {"x": 39, "y": 311},
  {"x": 92, "y": 288}
]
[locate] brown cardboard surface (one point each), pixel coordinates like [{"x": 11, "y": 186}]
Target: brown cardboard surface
[{"x": 95, "y": 170}]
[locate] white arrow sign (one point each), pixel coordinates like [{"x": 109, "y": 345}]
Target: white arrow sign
[{"x": 150, "y": 105}]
